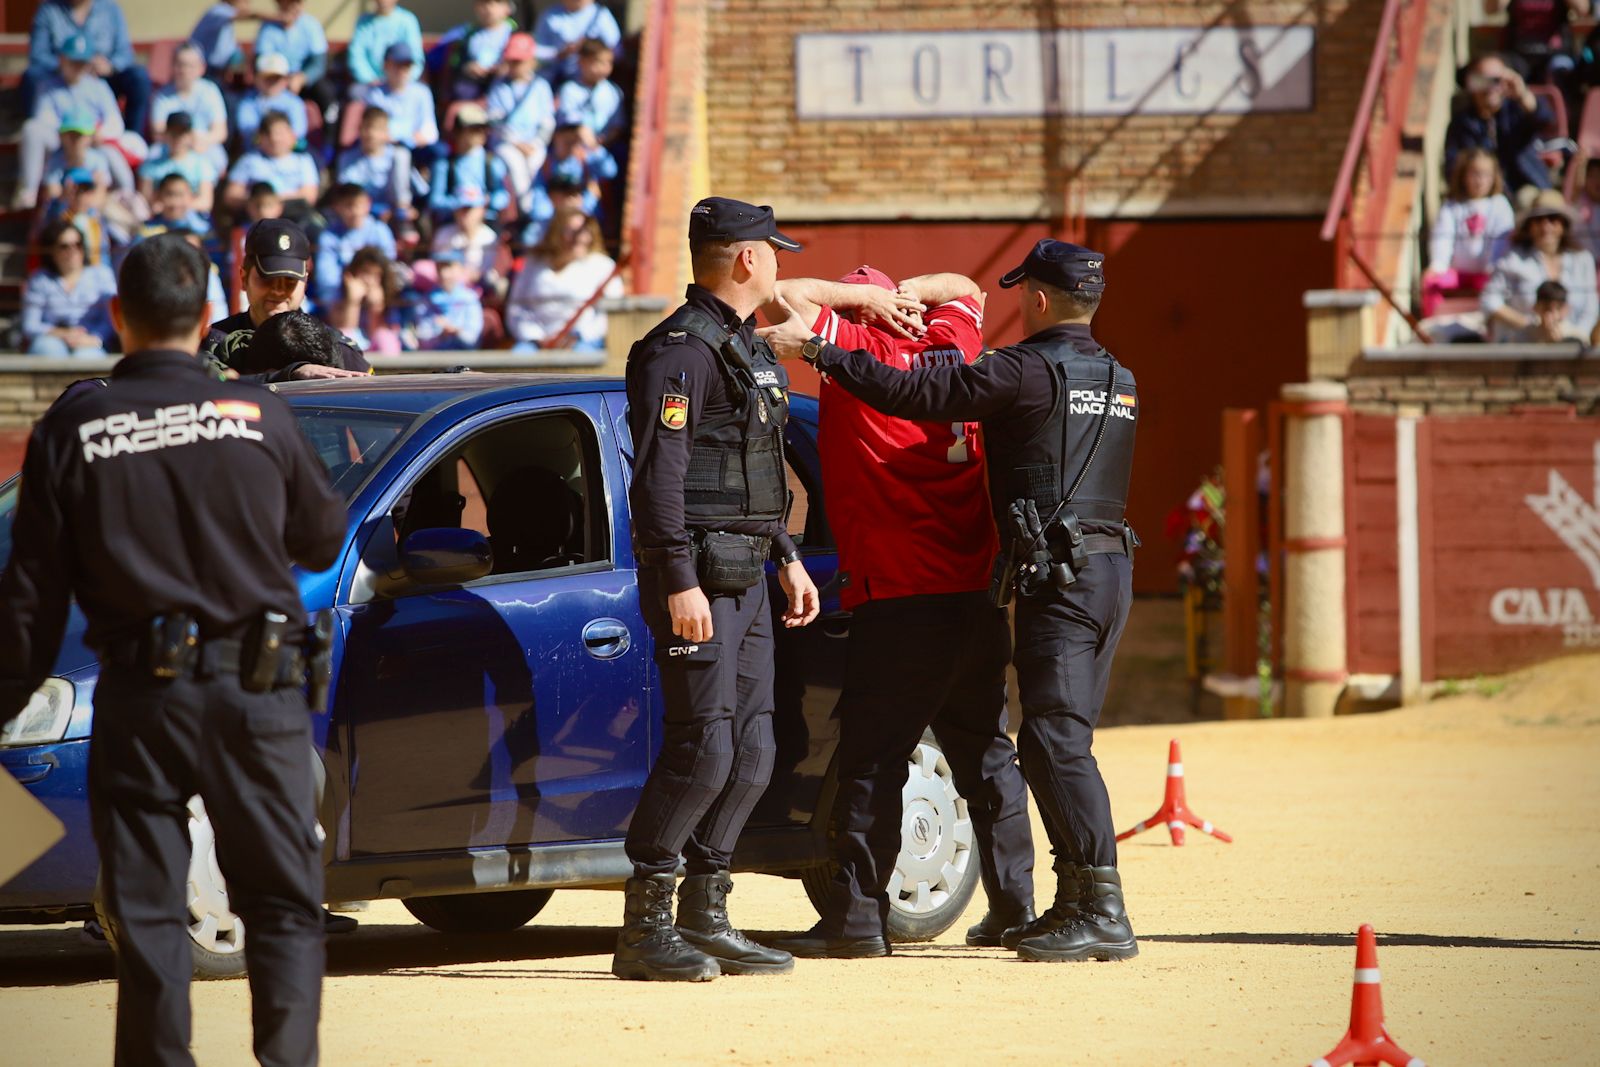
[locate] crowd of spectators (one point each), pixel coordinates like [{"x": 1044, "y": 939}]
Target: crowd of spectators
[
  {"x": 1506, "y": 236},
  {"x": 455, "y": 191}
]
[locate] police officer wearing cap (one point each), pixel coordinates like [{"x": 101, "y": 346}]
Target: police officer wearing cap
[
  {"x": 706, "y": 408},
  {"x": 273, "y": 272},
  {"x": 203, "y": 650},
  {"x": 1058, "y": 414}
]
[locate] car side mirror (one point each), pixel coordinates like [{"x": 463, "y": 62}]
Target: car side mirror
[{"x": 446, "y": 556}]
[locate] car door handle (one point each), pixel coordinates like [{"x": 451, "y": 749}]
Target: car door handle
[
  {"x": 606, "y": 638},
  {"x": 835, "y": 625}
]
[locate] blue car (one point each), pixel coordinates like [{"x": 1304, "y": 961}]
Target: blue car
[{"x": 495, "y": 709}]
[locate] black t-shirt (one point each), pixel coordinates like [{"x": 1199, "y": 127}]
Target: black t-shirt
[{"x": 165, "y": 491}]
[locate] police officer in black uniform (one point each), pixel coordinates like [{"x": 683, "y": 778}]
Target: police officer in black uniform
[
  {"x": 706, "y": 407},
  {"x": 273, "y": 272},
  {"x": 1058, "y": 414},
  {"x": 171, "y": 505}
]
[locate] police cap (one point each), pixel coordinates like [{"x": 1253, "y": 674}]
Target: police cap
[
  {"x": 716, "y": 218},
  {"x": 278, "y": 248},
  {"x": 1070, "y": 267}
]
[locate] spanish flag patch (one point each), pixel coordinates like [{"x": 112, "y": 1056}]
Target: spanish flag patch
[
  {"x": 674, "y": 411},
  {"x": 238, "y": 409},
  {"x": 1126, "y": 400}
]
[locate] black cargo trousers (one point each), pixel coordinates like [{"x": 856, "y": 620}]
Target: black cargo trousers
[
  {"x": 717, "y": 746},
  {"x": 156, "y": 743},
  {"x": 1065, "y": 646},
  {"x": 915, "y": 662}
]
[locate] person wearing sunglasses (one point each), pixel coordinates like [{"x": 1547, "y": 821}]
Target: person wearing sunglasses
[
  {"x": 1502, "y": 115},
  {"x": 65, "y": 305}
]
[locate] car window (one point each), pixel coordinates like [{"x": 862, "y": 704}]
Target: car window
[
  {"x": 531, "y": 486},
  {"x": 351, "y": 443}
]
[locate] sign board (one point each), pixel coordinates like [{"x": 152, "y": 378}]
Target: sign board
[
  {"x": 968, "y": 73},
  {"x": 1509, "y": 525},
  {"x": 27, "y": 829}
]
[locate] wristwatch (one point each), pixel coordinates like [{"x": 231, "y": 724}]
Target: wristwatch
[
  {"x": 812, "y": 349},
  {"x": 791, "y": 557}
]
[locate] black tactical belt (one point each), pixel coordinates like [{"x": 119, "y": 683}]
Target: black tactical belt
[{"x": 210, "y": 659}]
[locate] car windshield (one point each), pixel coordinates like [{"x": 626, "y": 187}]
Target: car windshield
[{"x": 351, "y": 443}]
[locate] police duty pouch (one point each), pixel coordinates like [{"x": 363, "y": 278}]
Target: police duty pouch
[
  {"x": 171, "y": 644},
  {"x": 728, "y": 562},
  {"x": 262, "y": 652}
]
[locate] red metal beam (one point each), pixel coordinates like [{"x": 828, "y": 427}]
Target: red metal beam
[{"x": 1356, "y": 145}]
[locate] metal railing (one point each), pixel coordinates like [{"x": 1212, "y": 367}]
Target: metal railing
[{"x": 1373, "y": 149}]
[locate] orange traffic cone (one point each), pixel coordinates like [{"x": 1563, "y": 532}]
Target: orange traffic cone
[
  {"x": 1367, "y": 1042},
  {"x": 1174, "y": 809}
]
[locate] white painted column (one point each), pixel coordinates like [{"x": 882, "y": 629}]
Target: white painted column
[
  {"x": 1314, "y": 651},
  {"x": 1409, "y": 558}
]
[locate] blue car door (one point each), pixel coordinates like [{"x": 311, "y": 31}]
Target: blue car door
[{"x": 512, "y": 709}]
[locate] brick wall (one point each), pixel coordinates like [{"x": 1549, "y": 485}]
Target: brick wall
[
  {"x": 1021, "y": 167},
  {"x": 1472, "y": 392}
]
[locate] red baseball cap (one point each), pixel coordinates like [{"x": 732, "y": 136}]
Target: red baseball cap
[
  {"x": 519, "y": 46},
  {"x": 865, "y": 275}
]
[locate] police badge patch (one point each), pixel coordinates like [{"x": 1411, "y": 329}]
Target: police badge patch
[{"x": 674, "y": 411}]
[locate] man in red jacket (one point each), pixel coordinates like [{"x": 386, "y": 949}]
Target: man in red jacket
[{"x": 910, "y": 511}]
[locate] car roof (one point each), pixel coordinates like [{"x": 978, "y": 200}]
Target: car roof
[{"x": 420, "y": 393}]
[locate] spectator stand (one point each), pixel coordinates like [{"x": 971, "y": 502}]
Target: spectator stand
[{"x": 157, "y": 56}]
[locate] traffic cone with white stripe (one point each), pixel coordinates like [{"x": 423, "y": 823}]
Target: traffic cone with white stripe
[
  {"x": 1174, "y": 807},
  {"x": 1367, "y": 1042}
]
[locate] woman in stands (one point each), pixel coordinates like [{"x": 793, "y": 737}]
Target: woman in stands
[
  {"x": 565, "y": 269},
  {"x": 1544, "y": 248},
  {"x": 66, "y": 305},
  {"x": 1471, "y": 232}
]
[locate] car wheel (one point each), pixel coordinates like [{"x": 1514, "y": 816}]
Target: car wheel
[
  {"x": 478, "y": 913},
  {"x": 216, "y": 934},
  {"x": 937, "y": 871}
]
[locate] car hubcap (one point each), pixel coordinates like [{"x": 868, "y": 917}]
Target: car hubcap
[
  {"x": 935, "y": 836},
  {"x": 212, "y": 925}
]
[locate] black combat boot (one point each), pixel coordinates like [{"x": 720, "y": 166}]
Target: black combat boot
[
  {"x": 992, "y": 928},
  {"x": 1101, "y": 930},
  {"x": 703, "y": 924},
  {"x": 1063, "y": 911},
  {"x": 648, "y": 945}
]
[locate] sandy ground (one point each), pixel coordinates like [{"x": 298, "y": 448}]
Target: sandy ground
[{"x": 1463, "y": 830}]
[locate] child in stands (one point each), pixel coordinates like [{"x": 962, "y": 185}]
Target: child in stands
[
  {"x": 175, "y": 208},
  {"x": 473, "y": 52},
  {"x": 471, "y": 236},
  {"x": 409, "y": 103},
  {"x": 350, "y": 228},
  {"x": 451, "y": 317},
  {"x": 367, "y": 310},
  {"x": 469, "y": 166},
  {"x": 77, "y": 150},
  {"x": 591, "y": 99},
  {"x": 376, "y": 31},
  {"x": 1471, "y": 232},
  {"x": 523, "y": 112},
  {"x": 382, "y": 168},
  {"x": 176, "y": 155},
  {"x": 274, "y": 161},
  {"x": 271, "y": 93},
  {"x": 561, "y": 31}
]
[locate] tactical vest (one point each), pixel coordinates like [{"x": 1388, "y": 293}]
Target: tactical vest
[
  {"x": 1070, "y": 446},
  {"x": 736, "y": 466}
]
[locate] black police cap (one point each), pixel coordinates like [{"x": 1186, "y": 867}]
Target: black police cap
[
  {"x": 716, "y": 218},
  {"x": 278, "y": 248},
  {"x": 1071, "y": 267}
]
